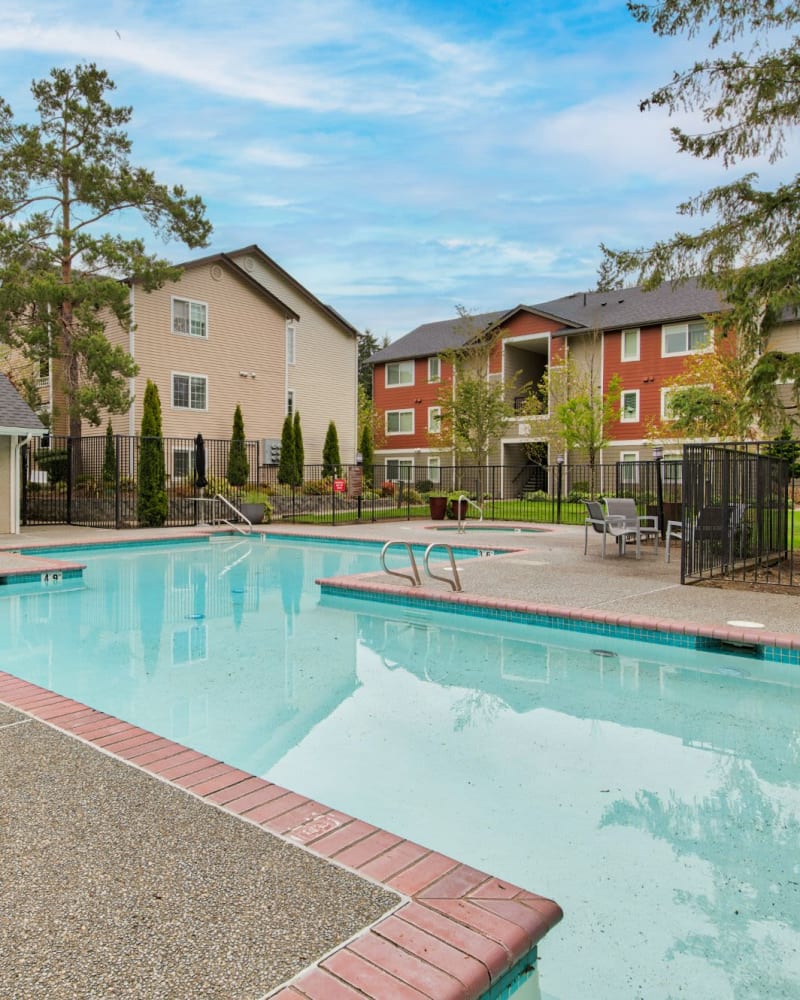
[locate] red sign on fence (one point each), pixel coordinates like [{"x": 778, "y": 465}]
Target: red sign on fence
[{"x": 339, "y": 485}]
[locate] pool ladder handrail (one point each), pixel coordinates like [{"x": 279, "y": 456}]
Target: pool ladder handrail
[
  {"x": 238, "y": 513},
  {"x": 462, "y": 522},
  {"x": 414, "y": 576}
]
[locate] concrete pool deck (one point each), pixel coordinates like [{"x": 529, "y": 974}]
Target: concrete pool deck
[{"x": 111, "y": 857}]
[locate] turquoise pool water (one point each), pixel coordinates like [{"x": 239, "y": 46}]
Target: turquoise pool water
[{"x": 654, "y": 792}]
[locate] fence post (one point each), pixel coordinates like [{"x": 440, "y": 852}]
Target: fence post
[{"x": 559, "y": 487}]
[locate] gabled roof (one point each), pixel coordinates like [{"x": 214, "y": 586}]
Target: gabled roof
[
  {"x": 225, "y": 260},
  {"x": 16, "y": 417},
  {"x": 337, "y": 317},
  {"x": 433, "y": 338},
  {"x": 571, "y": 314}
]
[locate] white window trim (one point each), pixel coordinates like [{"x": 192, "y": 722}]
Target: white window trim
[
  {"x": 630, "y": 329},
  {"x": 191, "y": 302},
  {"x": 393, "y": 433},
  {"x": 673, "y": 328},
  {"x": 434, "y": 426},
  {"x": 398, "y": 364},
  {"x": 623, "y": 419},
  {"x": 402, "y": 463},
  {"x": 189, "y": 453},
  {"x": 291, "y": 342},
  {"x": 190, "y": 376},
  {"x": 438, "y": 376},
  {"x": 435, "y": 468},
  {"x": 630, "y": 458}
]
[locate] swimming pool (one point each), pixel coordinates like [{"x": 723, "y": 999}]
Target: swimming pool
[{"x": 654, "y": 793}]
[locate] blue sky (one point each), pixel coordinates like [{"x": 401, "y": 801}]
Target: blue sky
[{"x": 399, "y": 158}]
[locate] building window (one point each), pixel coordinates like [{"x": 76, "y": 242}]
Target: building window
[
  {"x": 434, "y": 369},
  {"x": 399, "y": 373},
  {"x": 291, "y": 337},
  {"x": 672, "y": 469},
  {"x": 685, "y": 338},
  {"x": 629, "y": 468},
  {"x": 434, "y": 469},
  {"x": 434, "y": 419},
  {"x": 43, "y": 379},
  {"x": 290, "y": 403},
  {"x": 399, "y": 421},
  {"x": 189, "y": 318},
  {"x": 630, "y": 344},
  {"x": 181, "y": 464},
  {"x": 399, "y": 468},
  {"x": 667, "y": 397},
  {"x": 629, "y": 407},
  {"x": 189, "y": 392}
]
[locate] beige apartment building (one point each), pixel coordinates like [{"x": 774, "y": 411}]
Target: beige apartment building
[{"x": 237, "y": 328}]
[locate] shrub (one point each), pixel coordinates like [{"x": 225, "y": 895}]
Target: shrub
[
  {"x": 387, "y": 488},
  {"x": 535, "y": 495},
  {"x": 425, "y": 485},
  {"x": 318, "y": 487},
  {"x": 55, "y": 462}
]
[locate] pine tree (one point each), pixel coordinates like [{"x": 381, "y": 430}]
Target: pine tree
[
  {"x": 331, "y": 460},
  {"x": 61, "y": 180},
  {"x": 152, "y": 504},
  {"x": 287, "y": 468},
  {"x": 299, "y": 451},
  {"x": 238, "y": 465},
  {"x": 110, "y": 458},
  {"x": 367, "y": 454}
]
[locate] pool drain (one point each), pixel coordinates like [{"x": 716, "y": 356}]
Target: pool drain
[{"x": 603, "y": 652}]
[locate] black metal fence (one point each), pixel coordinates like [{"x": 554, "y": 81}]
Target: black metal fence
[{"x": 735, "y": 503}]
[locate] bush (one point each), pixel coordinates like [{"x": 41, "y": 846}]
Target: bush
[
  {"x": 425, "y": 485},
  {"x": 576, "y": 495},
  {"x": 318, "y": 487},
  {"x": 535, "y": 495},
  {"x": 387, "y": 488},
  {"x": 55, "y": 462}
]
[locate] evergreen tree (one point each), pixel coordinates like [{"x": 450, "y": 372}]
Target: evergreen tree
[
  {"x": 287, "y": 468},
  {"x": 367, "y": 454},
  {"x": 61, "y": 180},
  {"x": 299, "y": 451},
  {"x": 331, "y": 460},
  {"x": 152, "y": 505},
  {"x": 109, "y": 458},
  {"x": 238, "y": 465}
]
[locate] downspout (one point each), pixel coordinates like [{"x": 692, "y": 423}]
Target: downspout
[
  {"x": 14, "y": 481},
  {"x": 132, "y": 352}
]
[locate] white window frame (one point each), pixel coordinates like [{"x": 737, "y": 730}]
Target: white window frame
[
  {"x": 672, "y": 467},
  {"x": 434, "y": 419},
  {"x": 623, "y": 417},
  {"x": 435, "y": 368},
  {"x": 434, "y": 468},
  {"x": 191, "y": 376},
  {"x": 672, "y": 328},
  {"x": 399, "y": 463},
  {"x": 399, "y": 414},
  {"x": 629, "y": 458},
  {"x": 291, "y": 342},
  {"x": 191, "y": 303},
  {"x": 400, "y": 367},
  {"x": 179, "y": 457},
  {"x": 635, "y": 355}
]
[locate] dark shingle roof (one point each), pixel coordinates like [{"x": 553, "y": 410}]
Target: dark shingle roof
[
  {"x": 576, "y": 313},
  {"x": 15, "y": 414}
]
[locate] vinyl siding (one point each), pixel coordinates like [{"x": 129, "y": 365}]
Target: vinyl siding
[
  {"x": 5, "y": 484},
  {"x": 324, "y": 376}
]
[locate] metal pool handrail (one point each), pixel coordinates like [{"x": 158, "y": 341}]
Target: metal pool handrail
[
  {"x": 238, "y": 513},
  {"x": 414, "y": 575},
  {"x": 455, "y": 583},
  {"x": 462, "y": 521}
]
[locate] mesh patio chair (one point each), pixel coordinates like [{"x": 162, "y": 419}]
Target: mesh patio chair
[
  {"x": 609, "y": 526},
  {"x": 645, "y": 524}
]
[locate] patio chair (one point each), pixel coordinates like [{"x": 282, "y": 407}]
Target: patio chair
[
  {"x": 609, "y": 526},
  {"x": 645, "y": 524}
]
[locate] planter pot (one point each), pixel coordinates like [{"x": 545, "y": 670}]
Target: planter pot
[
  {"x": 438, "y": 506},
  {"x": 459, "y": 510},
  {"x": 254, "y": 512}
]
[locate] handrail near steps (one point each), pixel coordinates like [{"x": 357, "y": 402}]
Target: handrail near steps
[
  {"x": 455, "y": 583},
  {"x": 414, "y": 575},
  {"x": 462, "y": 521},
  {"x": 238, "y": 513}
]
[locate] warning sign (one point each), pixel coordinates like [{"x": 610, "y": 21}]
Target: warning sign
[{"x": 339, "y": 485}]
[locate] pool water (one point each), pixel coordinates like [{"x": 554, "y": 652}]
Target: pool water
[{"x": 654, "y": 792}]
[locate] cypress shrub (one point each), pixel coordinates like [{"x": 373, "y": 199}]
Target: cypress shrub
[
  {"x": 152, "y": 505},
  {"x": 299, "y": 453},
  {"x": 331, "y": 460},
  {"x": 287, "y": 469},
  {"x": 238, "y": 466}
]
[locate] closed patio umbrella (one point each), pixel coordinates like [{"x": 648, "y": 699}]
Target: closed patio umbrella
[{"x": 200, "y": 462}]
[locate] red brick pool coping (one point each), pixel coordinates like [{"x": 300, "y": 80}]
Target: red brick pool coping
[{"x": 457, "y": 930}]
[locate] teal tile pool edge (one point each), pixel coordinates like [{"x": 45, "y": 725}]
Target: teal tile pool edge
[{"x": 773, "y": 647}]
